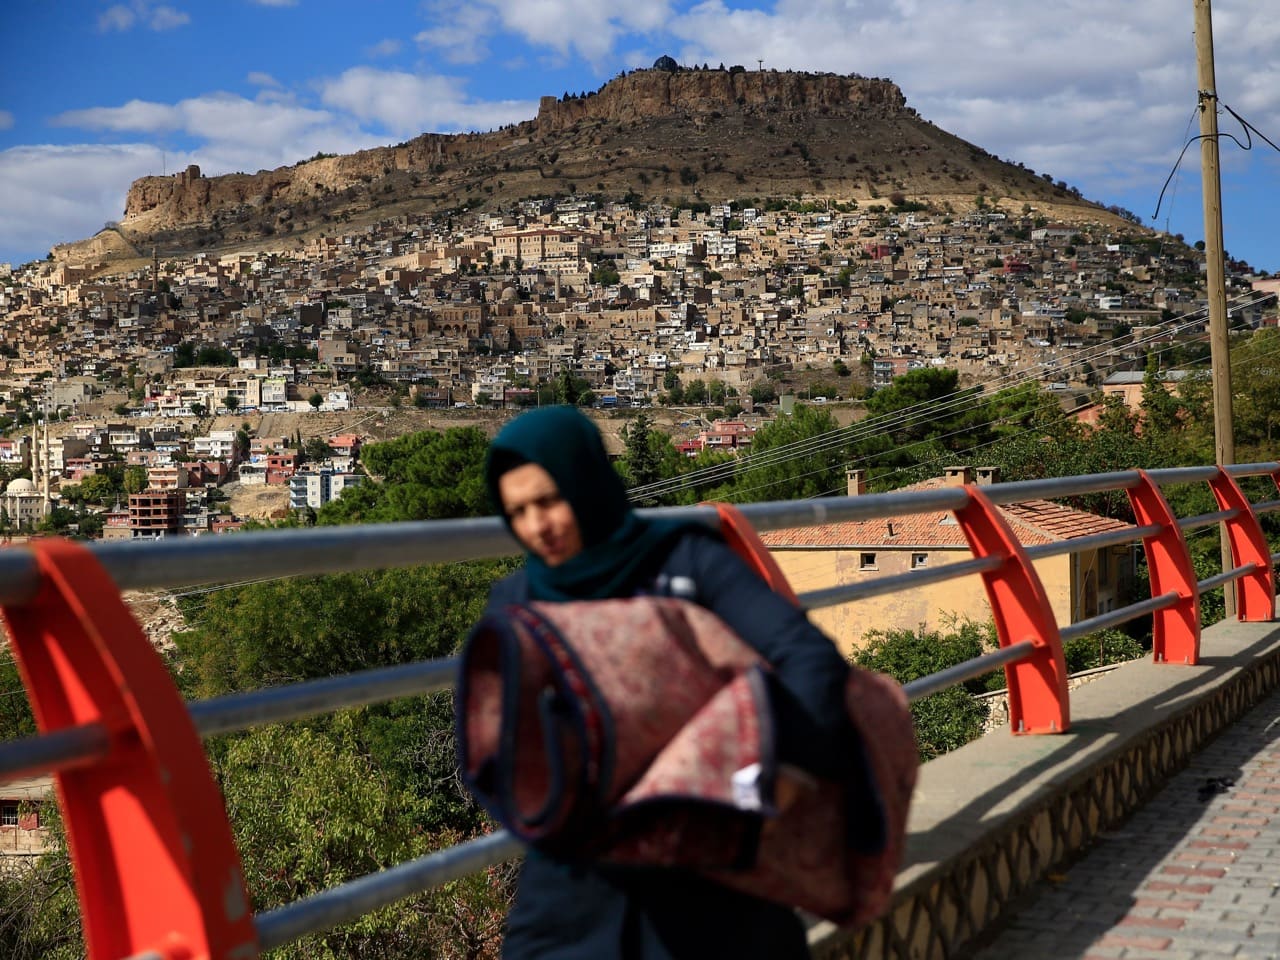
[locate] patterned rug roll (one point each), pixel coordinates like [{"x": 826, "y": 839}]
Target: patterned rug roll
[{"x": 638, "y": 731}]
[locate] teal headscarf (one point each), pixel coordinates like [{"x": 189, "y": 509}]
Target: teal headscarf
[{"x": 619, "y": 548}]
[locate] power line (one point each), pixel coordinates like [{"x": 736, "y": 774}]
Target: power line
[{"x": 926, "y": 410}]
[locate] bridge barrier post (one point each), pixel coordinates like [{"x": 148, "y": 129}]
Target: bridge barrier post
[
  {"x": 743, "y": 539},
  {"x": 156, "y": 866},
  {"x": 1038, "y": 701},
  {"x": 1175, "y": 630},
  {"x": 1255, "y": 591}
]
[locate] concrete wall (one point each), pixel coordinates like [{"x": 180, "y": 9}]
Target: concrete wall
[
  {"x": 991, "y": 819},
  {"x": 931, "y": 607}
]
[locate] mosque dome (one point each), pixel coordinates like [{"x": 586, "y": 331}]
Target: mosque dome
[
  {"x": 21, "y": 487},
  {"x": 510, "y": 294}
]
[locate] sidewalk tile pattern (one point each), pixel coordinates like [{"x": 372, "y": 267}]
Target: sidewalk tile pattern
[{"x": 1192, "y": 875}]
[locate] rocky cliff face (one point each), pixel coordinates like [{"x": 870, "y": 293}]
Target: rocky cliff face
[
  {"x": 658, "y": 134},
  {"x": 649, "y": 94},
  {"x": 158, "y": 203}
]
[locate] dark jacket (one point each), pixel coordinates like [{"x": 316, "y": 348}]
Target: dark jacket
[{"x": 567, "y": 911}]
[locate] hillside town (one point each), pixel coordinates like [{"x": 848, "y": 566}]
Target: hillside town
[{"x": 630, "y": 301}]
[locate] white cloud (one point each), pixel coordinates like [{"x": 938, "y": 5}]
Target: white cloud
[
  {"x": 137, "y": 115},
  {"x": 260, "y": 79},
  {"x": 585, "y": 28},
  {"x": 6, "y": 119},
  {"x": 407, "y": 104},
  {"x": 459, "y": 32},
  {"x": 276, "y": 3},
  {"x": 158, "y": 17},
  {"x": 57, "y": 194},
  {"x": 167, "y": 18},
  {"x": 118, "y": 17},
  {"x": 384, "y": 48},
  {"x": 1080, "y": 88},
  {"x": 54, "y": 194},
  {"x": 213, "y": 118}
]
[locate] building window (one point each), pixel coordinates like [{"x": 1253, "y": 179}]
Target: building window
[
  {"x": 8, "y": 815},
  {"x": 919, "y": 561},
  {"x": 867, "y": 561}
]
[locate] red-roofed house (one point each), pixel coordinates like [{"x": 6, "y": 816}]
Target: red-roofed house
[{"x": 1078, "y": 586}]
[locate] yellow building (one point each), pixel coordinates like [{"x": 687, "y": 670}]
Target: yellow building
[{"x": 1078, "y": 585}]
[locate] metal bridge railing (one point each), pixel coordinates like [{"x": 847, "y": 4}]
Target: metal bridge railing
[{"x": 157, "y": 870}]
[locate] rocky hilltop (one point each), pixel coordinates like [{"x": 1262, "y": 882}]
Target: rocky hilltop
[
  {"x": 660, "y": 134},
  {"x": 655, "y": 94}
]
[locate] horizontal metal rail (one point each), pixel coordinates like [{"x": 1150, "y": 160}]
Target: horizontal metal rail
[
  {"x": 785, "y": 514},
  {"x": 181, "y": 562},
  {"x": 326, "y": 550},
  {"x": 1118, "y": 616},
  {"x": 977, "y": 667},
  {"x": 79, "y": 746},
  {"x": 239, "y": 711},
  {"x": 351, "y": 900},
  {"x": 1053, "y": 488},
  {"x": 1250, "y": 469},
  {"x": 1226, "y": 576},
  {"x": 830, "y": 596},
  {"x": 1091, "y": 542},
  {"x": 1206, "y": 519},
  {"x": 64, "y": 749},
  {"x": 1168, "y": 476}
]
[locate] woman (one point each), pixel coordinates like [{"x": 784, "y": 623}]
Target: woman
[{"x": 549, "y": 476}]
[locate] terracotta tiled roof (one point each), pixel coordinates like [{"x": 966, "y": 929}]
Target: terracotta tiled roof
[{"x": 1034, "y": 522}]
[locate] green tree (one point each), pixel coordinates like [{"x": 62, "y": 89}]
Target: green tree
[
  {"x": 135, "y": 479},
  {"x": 695, "y": 392},
  {"x": 99, "y": 488},
  {"x": 1255, "y": 384},
  {"x": 948, "y": 719},
  {"x": 340, "y": 818},
  {"x": 315, "y": 400},
  {"x": 641, "y": 463},
  {"x": 569, "y": 388},
  {"x": 798, "y": 468},
  {"x": 284, "y": 631},
  {"x": 418, "y": 476},
  {"x": 317, "y": 449},
  {"x": 58, "y": 520},
  {"x": 762, "y": 391}
]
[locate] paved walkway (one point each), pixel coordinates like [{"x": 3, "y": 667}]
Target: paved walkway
[{"x": 1193, "y": 875}]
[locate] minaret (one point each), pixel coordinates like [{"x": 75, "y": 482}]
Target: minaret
[
  {"x": 155, "y": 271},
  {"x": 44, "y": 473}
]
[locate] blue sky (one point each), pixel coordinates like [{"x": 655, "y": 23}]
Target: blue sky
[{"x": 1098, "y": 93}]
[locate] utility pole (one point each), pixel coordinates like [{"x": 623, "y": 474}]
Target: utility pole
[{"x": 1219, "y": 346}]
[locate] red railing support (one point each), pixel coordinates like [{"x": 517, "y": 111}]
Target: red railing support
[
  {"x": 1175, "y": 630},
  {"x": 1256, "y": 591},
  {"x": 742, "y": 537},
  {"x": 156, "y": 866},
  {"x": 1038, "y": 685}
]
